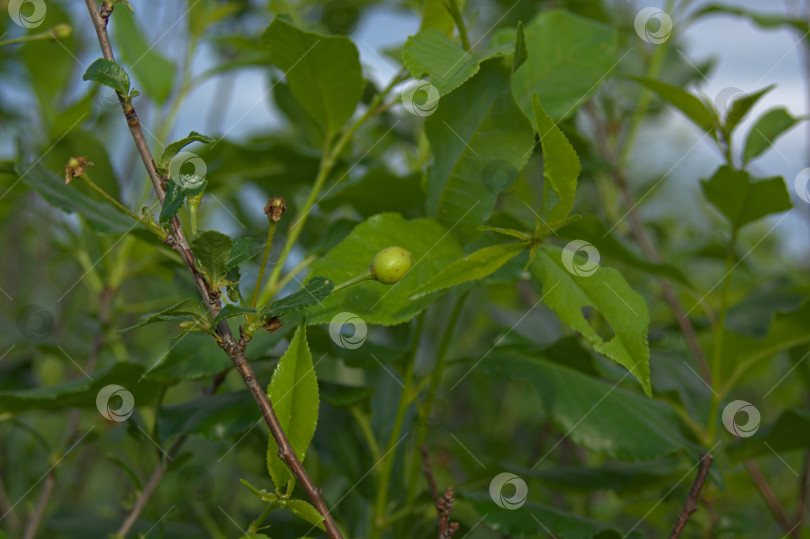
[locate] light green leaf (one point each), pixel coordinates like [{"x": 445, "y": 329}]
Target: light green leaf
[
  {"x": 431, "y": 52},
  {"x": 436, "y": 15},
  {"x": 101, "y": 216},
  {"x": 561, "y": 167},
  {"x": 109, "y": 74},
  {"x": 173, "y": 148},
  {"x": 742, "y": 200},
  {"x": 306, "y": 511},
  {"x": 477, "y": 134},
  {"x": 212, "y": 250},
  {"x": 692, "y": 107},
  {"x": 605, "y": 290},
  {"x": 533, "y": 519},
  {"x": 154, "y": 72},
  {"x": 568, "y": 58},
  {"x": 293, "y": 390},
  {"x": 244, "y": 249},
  {"x": 597, "y": 415},
  {"x": 741, "y": 106},
  {"x": 323, "y": 72},
  {"x": 472, "y": 267},
  {"x": 315, "y": 291},
  {"x": 521, "y": 52},
  {"x": 187, "y": 309},
  {"x": 769, "y": 127},
  {"x": 432, "y": 246},
  {"x": 215, "y": 417}
]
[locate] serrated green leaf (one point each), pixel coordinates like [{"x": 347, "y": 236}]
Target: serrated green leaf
[
  {"x": 315, "y": 291},
  {"x": 432, "y": 53},
  {"x": 101, "y": 216},
  {"x": 600, "y": 416},
  {"x": 741, "y": 106},
  {"x": 568, "y": 58},
  {"x": 323, "y": 72},
  {"x": 376, "y": 303},
  {"x": 155, "y": 73},
  {"x": 607, "y": 291},
  {"x": 293, "y": 390},
  {"x": 561, "y": 167},
  {"x": 212, "y": 250},
  {"x": 109, "y": 74},
  {"x": 243, "y": 250},
  {"x": 230, "y": 310},
  {"x": 306, "y": 511},
  {"x": 769, "y": 127},
  {"x": 216, "y": 417},
  {"x": 742, "y": 200},
  {"x": 173, "y": 148},
  {"x": 176, "y": 194},
  {"x": 692, "y": 107},
  {"x": 477, "y": 134},
  {"x": 472, "y": 267},
  {"x": 187, "y": 309}
]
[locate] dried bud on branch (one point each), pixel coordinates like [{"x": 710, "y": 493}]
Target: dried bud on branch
[{"x": 275, "y": 208}]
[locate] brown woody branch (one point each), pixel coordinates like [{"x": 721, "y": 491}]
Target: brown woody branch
[
  {"x": 770, "y": 498},
  {"x": 235, "y": 349},
  {"x": 444, "y": 503},
  {"x": 691, "y": 503}
]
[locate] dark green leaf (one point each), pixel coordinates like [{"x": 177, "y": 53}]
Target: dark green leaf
[
  {"x": 212, "y": 250},
  {"x": 173, "y": 148},
  {"x": 341, "y": 396},
  {"x": 741, "y": 199},
  {"x": 790, "y": 432},
  {"x": 109, "y": 74},
  {"x": 176, "y": 194},
  {"x": 315, "y": 291},
  {"x": 602, "y": 417},
  {"x": 187, "y": 309},
  {"x": 216, "y": 417},
  {"x": 740, "y": 107},
  {"x": 244, "y": 249},
  {"x": 230, "y": 310}
]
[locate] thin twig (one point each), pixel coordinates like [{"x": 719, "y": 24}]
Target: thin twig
[
  {"x": 226, "y": 340},
  {"x": 770, "y": 498},
  {"x": 444, "y": 504},
  {"x": 691, "y": 503}
]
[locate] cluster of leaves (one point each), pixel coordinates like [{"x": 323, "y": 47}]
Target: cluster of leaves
[{"x": 503, "y": 348}]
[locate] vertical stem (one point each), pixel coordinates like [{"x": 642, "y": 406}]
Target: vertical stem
[
  {"x": 387, "y": 463},
  {"x": 455, "y": 12},
  {"x": 271, "y": 230},
  {"x": 719, "y": 331}
]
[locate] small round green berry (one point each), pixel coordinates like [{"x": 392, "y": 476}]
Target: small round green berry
[{"x": 391, "y": 264}]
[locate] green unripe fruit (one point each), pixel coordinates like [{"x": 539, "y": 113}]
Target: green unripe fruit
[{"x": 391, "y": 264}]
